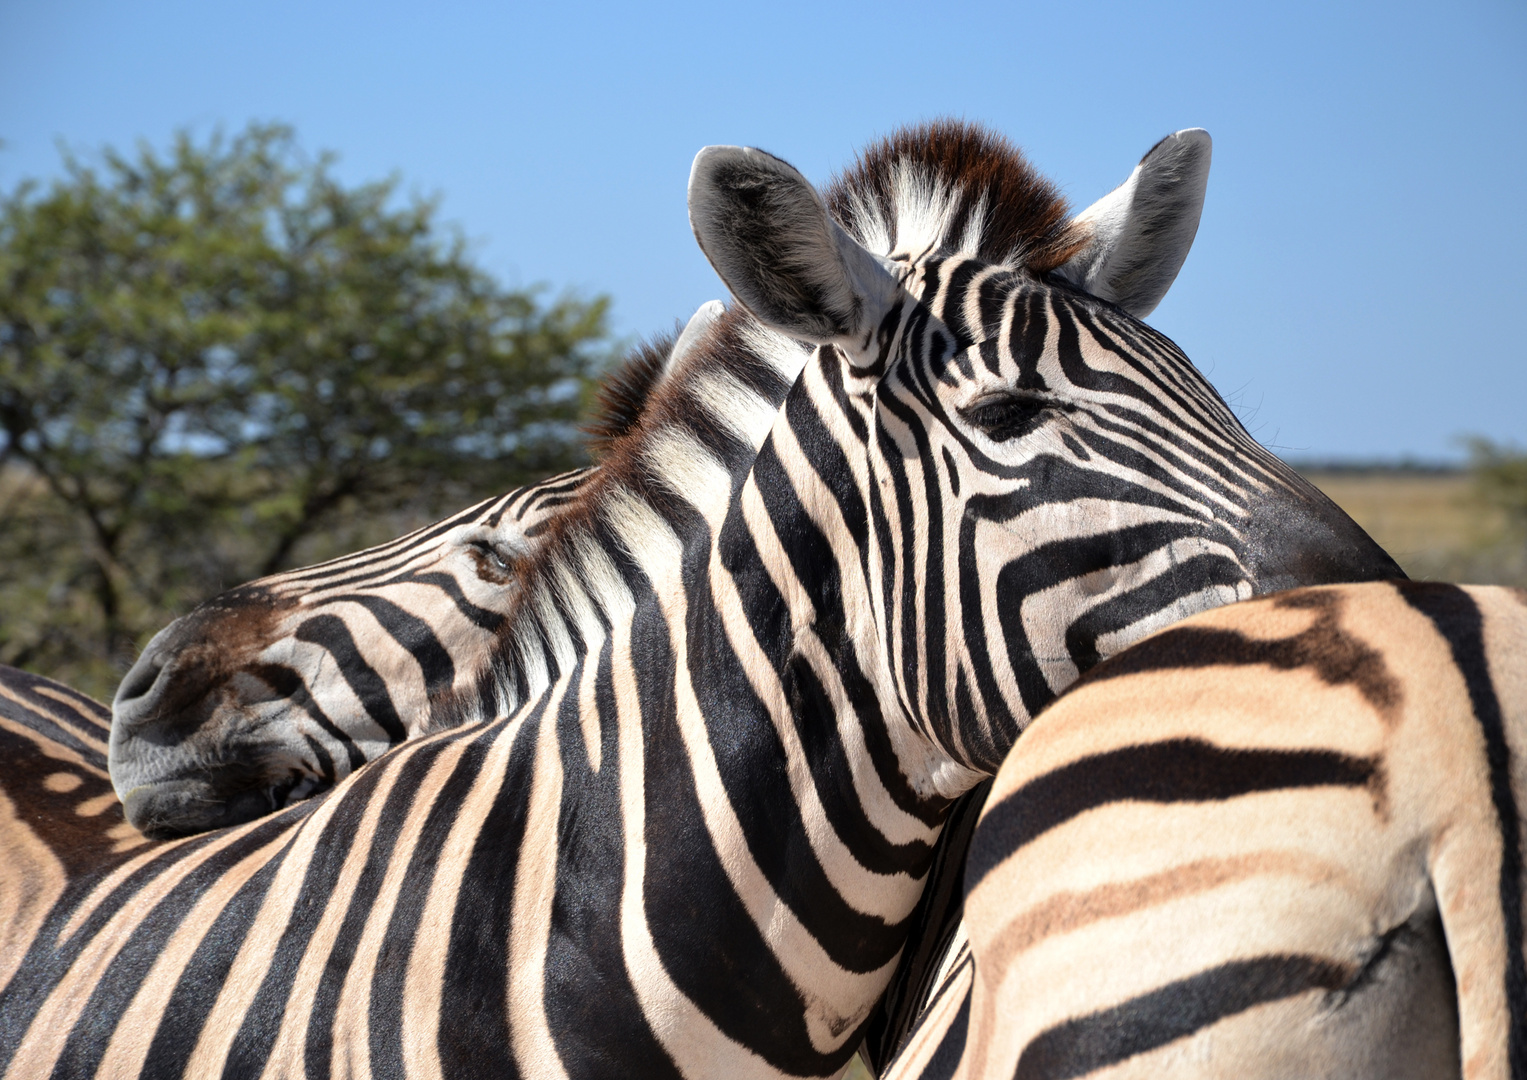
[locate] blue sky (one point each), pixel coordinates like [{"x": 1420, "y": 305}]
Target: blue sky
[{"x": 1358, "y": 282}]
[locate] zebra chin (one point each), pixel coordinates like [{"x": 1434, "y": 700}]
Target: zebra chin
[{"x": 165, "y": 809}]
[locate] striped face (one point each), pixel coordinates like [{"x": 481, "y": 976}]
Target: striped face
[
  {"x": 278, "y": 689},
  {"x": 1054, "y": 480},
  {"x": 1032, "y": 477}
]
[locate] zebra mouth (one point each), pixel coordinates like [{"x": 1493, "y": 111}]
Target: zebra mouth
[
  {"x": 165, "y": 809},
  {"x": 295, "y": 789}
]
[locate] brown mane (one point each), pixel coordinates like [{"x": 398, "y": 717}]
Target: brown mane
[
  {"x": 1025, "y": 215},
  {"x": 623, "y": 393}
]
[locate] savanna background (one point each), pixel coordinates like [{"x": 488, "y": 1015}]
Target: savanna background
[{"x": 277, "y": 282}]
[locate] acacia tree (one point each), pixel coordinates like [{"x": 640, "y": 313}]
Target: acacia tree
[{"x": 209, "y": 356}]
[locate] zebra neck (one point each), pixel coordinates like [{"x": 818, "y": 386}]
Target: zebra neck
[
  {"x": 719, "y": 575},
  {"x": 698, "y": 648},
  {"x": 802, "y": 542},
  {"x": 661, "y": 489}
]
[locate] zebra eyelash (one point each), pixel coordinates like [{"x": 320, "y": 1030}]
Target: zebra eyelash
[
  {"x": 495, "y": 557},
  {"x": 1012, "y": 415}
]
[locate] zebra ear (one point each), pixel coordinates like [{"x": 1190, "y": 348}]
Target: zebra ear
[
  {"x": 1142, "y": 230},
  {"x": 769, "y": 235},
  {"x": 697, "y": 327}
]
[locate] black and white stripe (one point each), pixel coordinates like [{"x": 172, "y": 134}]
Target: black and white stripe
[
  {"x": 1280, "y": 839},
  {"x": 687, "y": 807},
  {"x": 278, "y": 689}
]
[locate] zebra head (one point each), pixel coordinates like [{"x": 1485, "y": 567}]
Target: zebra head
[
  {"x": 276, "y": 690},
  {"x": 279, "y": 688},
  {"x": 1034, "y": 477}
]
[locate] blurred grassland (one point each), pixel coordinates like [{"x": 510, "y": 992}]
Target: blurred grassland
[{"x": 1436, "y": 524}]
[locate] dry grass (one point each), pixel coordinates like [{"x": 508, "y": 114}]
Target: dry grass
[
  {"x": 1434, "y": 524},
  {"x": 856, "y": 1070}
]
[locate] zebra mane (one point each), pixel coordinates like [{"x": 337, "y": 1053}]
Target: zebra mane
[
  {"x": 668, "y": 437},
  {"x": 623, "y": 393},
  {"x": 954, "y": 188}
]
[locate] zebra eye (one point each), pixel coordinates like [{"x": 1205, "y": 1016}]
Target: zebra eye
[
  {"x": 1010, "y": 416},
  {"x": 494, "y": 557}
]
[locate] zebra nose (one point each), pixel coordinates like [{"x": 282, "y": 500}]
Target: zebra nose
[
  {"x": 138, "y": 683},
  {"x": 180, "y": 808},
  {"x": 140, "y": 695},
  {"x": 143, "y": 696},
  {"x": 1311, "y": 541}
]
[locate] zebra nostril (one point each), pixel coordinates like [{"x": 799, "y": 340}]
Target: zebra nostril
[
  {"x": 141, "y": 696},
  {"x": 140, "y": 679},
  {"x": 142, "y": 690}
]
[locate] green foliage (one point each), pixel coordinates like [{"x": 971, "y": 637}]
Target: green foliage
[
  {"x": 1500, "y": 478},
  {"x": 210, "y": 357}
]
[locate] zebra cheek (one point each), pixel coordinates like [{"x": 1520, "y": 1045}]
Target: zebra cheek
[{"x": 953, "y": 471}]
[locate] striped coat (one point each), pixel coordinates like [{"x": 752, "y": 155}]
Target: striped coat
[
  {"x": 679, "y": 821},
  {"x": 59, "y": 818},
  {"x": 276, "y": 690},
  {"x": 1283, "y": 838}
]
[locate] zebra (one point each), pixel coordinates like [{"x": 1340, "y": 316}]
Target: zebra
[
  {"x": 1282, "y": 838},
  {"x": 277, "y": 689},
  {"x": 53, "y": 778},
  {"x": 678, "y": 824},
  {"x": 59, "y": 818}
]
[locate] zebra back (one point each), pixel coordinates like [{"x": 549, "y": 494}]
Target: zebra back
[
  {"x": 53, "y": 768},
  {"x": 1281, "y": 838},
  {"x": 59, "y": 817}
]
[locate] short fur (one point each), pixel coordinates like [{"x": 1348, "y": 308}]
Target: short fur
[
  {"x": 1281, "y": 838},
  {"x": 625, "y": 465},
  {"x": 1020, "y": 216}
]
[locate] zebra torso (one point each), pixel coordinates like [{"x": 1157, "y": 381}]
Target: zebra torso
[
  {"x": 59, "y": 818},
  {"x": 1280, "y": 839},
  {"x": 677, "y": 823}
]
